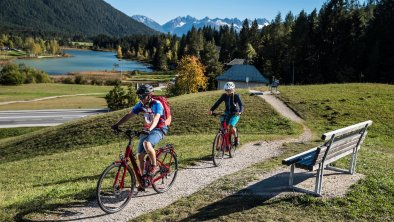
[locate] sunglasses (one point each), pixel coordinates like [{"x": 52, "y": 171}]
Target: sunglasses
[
  {"x": 141, "y": 96},
  {"x": 228, "y": 90}
]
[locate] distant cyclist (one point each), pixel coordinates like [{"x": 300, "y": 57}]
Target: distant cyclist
[
  {"x": 154, "y": 128},
  {"x": 234, "y": 108}
]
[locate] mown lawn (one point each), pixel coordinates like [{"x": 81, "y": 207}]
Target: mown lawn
[
  {"x": 34, "y": 91},
  {"x": 324, "y": 107},
  {"x": 60, "y": 165},
  {"x": 72, "y": 102}
]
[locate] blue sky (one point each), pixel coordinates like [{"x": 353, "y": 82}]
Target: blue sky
[{"x": 164, "y": 10}]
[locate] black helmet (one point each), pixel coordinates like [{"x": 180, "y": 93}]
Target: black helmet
[{"x": 145, "y": 89}]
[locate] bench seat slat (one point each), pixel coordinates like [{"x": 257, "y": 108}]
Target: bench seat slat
[
  {"x": 315, "y": 167},
  {"x": 306, "y": 164},
  {"x": 338, "y": 149},
  {"x": 346, "y": 144},
  {"x": 300, "y": 156}
]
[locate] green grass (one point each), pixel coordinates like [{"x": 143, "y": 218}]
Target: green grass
[
  {"x": 34, "y": 91},
  {"x": 12, "y": 54},
  {"x": 59, "y": 166},
  {"x": 73, "y": 102},
  {"x": 12, "y": 132},
  {"x": 325, "y": 107}
]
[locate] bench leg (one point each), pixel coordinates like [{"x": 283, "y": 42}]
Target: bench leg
[
  {"x": 291, "y": 177},
  {"x": 353, "y": 163},
  {"x": 319, "y": 180}
]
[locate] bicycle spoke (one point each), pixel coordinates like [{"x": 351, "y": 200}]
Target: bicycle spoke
[
  {"x": 111, "y": 195},
  {"x": 168, "y": 169},
  {"x": 218, "y": 149}
]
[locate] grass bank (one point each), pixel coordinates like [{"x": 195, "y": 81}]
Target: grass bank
[
  {"x": 325, "y": 107},
  {"x": 60, "y": 165},
  {"x": 34, "y": 91}
]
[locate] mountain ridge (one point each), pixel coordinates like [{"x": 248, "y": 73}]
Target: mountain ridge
[
  {"x": 182, "y": 24},
  {"x": 68, "y": 18}
]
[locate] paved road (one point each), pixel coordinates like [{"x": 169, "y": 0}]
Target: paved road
[{"x": 31, "y": 118}]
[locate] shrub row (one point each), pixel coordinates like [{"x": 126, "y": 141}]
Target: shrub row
[{"x": 13, "y": 74}]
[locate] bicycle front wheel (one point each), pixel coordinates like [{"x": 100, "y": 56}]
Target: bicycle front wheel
[
  {"x": 168, "y": 170},
  {"x": 115, "y": 187},
  {"x": 218, "y": 149}
]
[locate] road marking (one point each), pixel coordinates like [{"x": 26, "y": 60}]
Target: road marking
[
  {"x": 32, "y": 117},
  {"x": 30, "y": 125}
]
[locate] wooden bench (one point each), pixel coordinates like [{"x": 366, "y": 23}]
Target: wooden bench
[{"x": 338, "y": 143}]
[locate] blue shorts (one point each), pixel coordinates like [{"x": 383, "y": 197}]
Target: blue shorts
[
  {"x": 154, "y": 138},
  {"x": 232, "y": 120}
]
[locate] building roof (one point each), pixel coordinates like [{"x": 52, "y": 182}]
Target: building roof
[
  {"x": 236, "y": 62},
  {"x": 240, "y": 72}
]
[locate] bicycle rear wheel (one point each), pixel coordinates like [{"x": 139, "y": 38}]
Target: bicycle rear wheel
[
  {"x": 218, "y": 149},
  {"x": 112, "y": 195},
  {"x": 168, "y": 170}
]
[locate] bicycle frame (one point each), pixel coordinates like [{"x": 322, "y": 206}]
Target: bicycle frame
[
  {"x": 129, "y": 156},
  {"x": 226, "y": 134}
]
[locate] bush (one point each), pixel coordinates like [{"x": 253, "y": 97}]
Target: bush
[
  {"x": 11, "y": 75},
  {"x": 118, "y": 99},
  {"x": 112, "y": 82},
  {"x": 96, "y": 82},
  {"x": 68, "y": 80},
  {"x": 79, "y": 80}
]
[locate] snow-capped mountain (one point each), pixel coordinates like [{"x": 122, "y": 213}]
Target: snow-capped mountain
[
  {"x": 148, "y": 22},
  {"x": 181, "y": 25}
]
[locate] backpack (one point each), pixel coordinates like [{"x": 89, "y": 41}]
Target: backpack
[{"x": 167, "y": 111}]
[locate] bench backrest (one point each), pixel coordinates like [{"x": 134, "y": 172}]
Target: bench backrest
[{"x": 341, "y": 142}]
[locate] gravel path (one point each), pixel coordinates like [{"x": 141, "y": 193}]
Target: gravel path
[{"x": 189, "y": 180}]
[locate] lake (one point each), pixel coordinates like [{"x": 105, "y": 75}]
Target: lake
[{"x": 83, "y": 60}]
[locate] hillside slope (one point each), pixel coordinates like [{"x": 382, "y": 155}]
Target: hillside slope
[
  {"x": 189, "y": 117},
  {"x": 67, "y": 17}
]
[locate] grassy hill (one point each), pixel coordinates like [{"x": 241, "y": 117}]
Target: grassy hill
[
  {"x": 189, "y": 117},
  {"x": 324, "y": 107},
  {"x": 59, "y": 166},
  {"x": 68, "y": 18}
]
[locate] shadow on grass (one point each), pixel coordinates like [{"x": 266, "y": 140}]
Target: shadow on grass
[
  {"x": 255, "y": 195},
  {"x": 38, "y": 208}
]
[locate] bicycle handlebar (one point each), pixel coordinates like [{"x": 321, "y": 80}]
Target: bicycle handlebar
[{"x": 219, "y": 114}]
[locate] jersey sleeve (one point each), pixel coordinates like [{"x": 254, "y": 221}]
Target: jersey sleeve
[
  {"x": 137, "y": 108},
  {"x": 218, "y": 102},
  {"x": 241, "y": 104}
]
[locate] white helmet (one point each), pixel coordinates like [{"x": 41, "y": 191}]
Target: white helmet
[{"x": 229, "y": 86}]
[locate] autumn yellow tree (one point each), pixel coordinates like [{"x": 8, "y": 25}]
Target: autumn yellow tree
[
  {"x": 191, "y": 76},
  {"x": 119, "y": 51}
]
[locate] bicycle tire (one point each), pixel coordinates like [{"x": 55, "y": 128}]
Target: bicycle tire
[
  {"x": 109, "y": 197},
  {"x": 233, "y": 148},
  {"x": 163, "y": 180},
  {"x": 218, "y": 149}
]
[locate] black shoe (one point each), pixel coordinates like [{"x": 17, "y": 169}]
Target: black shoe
[
  {"x": 236, "y": 143},
  {"x": 139, "y": 188}
]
